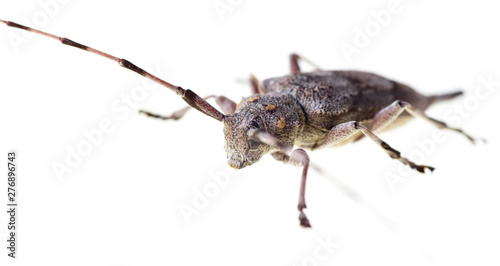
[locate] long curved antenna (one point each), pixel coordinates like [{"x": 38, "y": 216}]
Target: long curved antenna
[
  {"x": 266, "y": 138},
  {"x": 189, "y": 96}
]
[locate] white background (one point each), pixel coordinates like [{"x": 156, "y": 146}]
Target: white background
[{"x": 120, "y": 206}]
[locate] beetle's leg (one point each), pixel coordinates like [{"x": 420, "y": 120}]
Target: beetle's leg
[
  {"x": 294, "y": 63},
  {"x": 224, "y": 103},
  {"x": 298, "y": 157},
  {"x": 391, "y": 112},
  {"x": 256, "y": 85},
  {"x": 343, "y": 131}
]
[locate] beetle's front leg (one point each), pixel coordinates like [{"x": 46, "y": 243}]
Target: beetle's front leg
[
  {"x": 224, "y": 103},
  {"x": 294, "y": 63},
  {"x": 256, "y": 85},
  {"x": 298, "y": 157}
]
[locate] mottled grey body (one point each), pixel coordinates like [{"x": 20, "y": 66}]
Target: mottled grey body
[
  {"x": 300, "y": 109},
  {"x": 329, "y": 98}
]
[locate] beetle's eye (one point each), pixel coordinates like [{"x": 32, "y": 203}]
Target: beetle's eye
[
  {"x": 253, "y": 144},
  {"x": 253, "y": 124}
]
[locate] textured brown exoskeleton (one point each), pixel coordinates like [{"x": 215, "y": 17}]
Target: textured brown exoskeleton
[{"x": 307, "y": 110}]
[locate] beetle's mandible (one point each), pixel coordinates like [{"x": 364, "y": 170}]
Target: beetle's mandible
[{"x": 307, "y": 110}]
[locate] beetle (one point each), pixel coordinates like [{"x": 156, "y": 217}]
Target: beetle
[{"x": 307, "y": 110}]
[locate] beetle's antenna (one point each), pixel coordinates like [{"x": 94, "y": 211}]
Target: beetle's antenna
[
  {"x": 189, "y": 96},
  {"x": 266, "y": 138}
]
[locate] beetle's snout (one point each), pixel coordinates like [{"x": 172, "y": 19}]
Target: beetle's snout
[
  {"x": 238, "y": 164},
  {"x": 234, "y": 163}
]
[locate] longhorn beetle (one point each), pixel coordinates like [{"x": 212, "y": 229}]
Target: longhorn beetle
[{"x": 308, "y": 110}]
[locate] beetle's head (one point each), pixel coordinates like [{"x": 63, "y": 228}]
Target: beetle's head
[{"x": 242, "y": 150}]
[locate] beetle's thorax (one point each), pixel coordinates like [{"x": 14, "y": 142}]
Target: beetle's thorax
[{"x": 278, "y": 114}]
